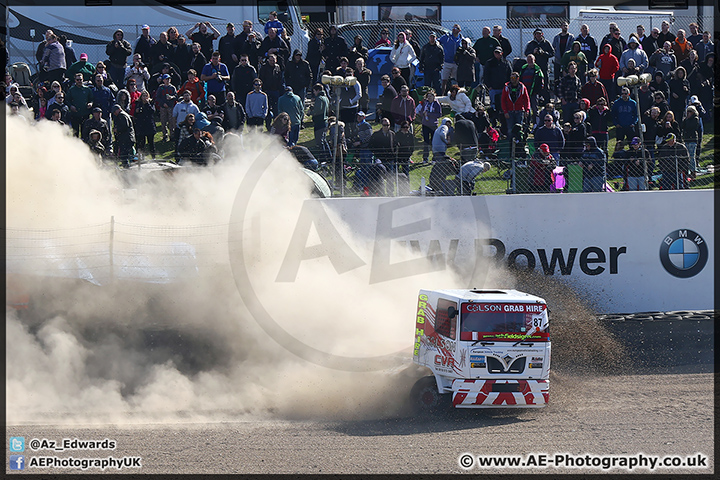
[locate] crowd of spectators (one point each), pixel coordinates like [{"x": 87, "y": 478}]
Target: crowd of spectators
[{"x": 201, "y": 86}]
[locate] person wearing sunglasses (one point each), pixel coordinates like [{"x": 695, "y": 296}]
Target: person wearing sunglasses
[{"x": 256, "y": 106}]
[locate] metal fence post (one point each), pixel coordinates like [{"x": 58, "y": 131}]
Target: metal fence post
[{"x": 110, "y": 249}]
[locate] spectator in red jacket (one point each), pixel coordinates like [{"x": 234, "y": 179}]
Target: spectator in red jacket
[
  {"x": 608, "y": 65},
  {"x": 515, "y": 101}
]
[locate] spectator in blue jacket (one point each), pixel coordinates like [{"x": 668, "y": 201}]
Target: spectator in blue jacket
[
  {"x": 273, "y": 22},
  {"x": 625, "y": 117}
]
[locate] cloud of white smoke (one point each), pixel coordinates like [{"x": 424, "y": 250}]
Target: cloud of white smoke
[{"x": 128, "y": 350}]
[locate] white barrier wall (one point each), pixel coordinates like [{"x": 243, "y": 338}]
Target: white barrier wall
[{"x": 627, "y": 252}]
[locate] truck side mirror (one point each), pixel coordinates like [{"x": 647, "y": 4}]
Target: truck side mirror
[{"x": 452, "y": 312}]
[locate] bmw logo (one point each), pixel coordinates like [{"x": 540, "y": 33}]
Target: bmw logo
[{"x": 683, "y": 253}]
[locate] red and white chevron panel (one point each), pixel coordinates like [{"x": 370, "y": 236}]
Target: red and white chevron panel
[{"x": 481, "y": 394}]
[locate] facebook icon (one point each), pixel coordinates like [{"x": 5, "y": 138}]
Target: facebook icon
[{"x": 17, "y": 462}]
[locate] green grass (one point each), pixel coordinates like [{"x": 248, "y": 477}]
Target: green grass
[{"x": 490, "y": 183}]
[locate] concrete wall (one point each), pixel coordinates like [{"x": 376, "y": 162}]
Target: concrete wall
[{"x": 617, "y": 248}]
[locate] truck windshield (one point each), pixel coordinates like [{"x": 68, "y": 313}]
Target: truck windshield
[
  {"x": 503, "y": 321},
  {"x": 494, "y": 322}
]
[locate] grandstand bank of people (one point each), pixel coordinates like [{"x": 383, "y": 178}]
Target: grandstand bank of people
[{"x": 193, "y": 90}]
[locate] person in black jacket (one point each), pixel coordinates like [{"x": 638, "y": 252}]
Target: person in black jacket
[
  {"x": 466, "y": 138},
  {"x": 144, "y": 123},
  {"x": 182, "y": 56},
  {"x": 272, "y": 80},
  {"x": 124, "y": 135},
  {"x": 357, "y": 51},
  {"x": 226, "y": 47},
  {"x": 197, "y": 59},
  {"x": 504, "y": 42},
  {"x": 542, "y": 49},
  {"x": 117, "y": 51},
  {"x": 495, "y": 75},
  {"x": 315, "y": 49},
  {"x": 431, "y": 62},
  {"x": 298, "y": 74},
  {"x": 162, "y": 51},
  {"x": 235, "y": 116},
  {"x": 335, "y": 47},
  {"x": 242, "y": 78},
  {"x": 273, "y": 44},
  {"x": 386, "y": 98},
  {"x": 465, "y": 59}
]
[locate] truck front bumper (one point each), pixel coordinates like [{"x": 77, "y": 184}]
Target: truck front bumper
[{"x": 500, "y": 393}]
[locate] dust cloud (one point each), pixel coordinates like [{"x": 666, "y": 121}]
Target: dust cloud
[
  {"x": 102, "y": 345},
  {"x": 96, "y": 348}
]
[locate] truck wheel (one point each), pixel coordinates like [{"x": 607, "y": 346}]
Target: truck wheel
[{"x": 425, "y": 398}]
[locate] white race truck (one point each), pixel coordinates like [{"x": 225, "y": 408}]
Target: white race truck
[{"x": 483, "y": 348}]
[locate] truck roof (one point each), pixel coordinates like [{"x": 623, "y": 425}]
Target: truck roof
[{"x": 487, "y": 295}]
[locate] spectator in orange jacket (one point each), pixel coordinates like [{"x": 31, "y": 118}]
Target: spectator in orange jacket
[{"x": 195, "y": 87}]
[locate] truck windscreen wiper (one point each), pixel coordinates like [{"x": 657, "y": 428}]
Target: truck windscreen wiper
[
  {"x": 484, "y": 344},
  {"x": 521, "y": 342}
]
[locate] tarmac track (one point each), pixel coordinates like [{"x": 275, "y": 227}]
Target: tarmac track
[{"x": 669, "y": 414}]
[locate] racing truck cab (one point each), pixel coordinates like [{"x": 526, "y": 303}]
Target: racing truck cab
[{"x": 484, "y": 348}]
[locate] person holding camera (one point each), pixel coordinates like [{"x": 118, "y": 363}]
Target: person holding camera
[
  {"x": 216, "y": 75},
  {"x": 137, "y": 71},
  {"x": 117, "y": 51}
]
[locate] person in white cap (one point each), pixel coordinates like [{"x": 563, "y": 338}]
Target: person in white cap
[{"x": 144, "y": 43}]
